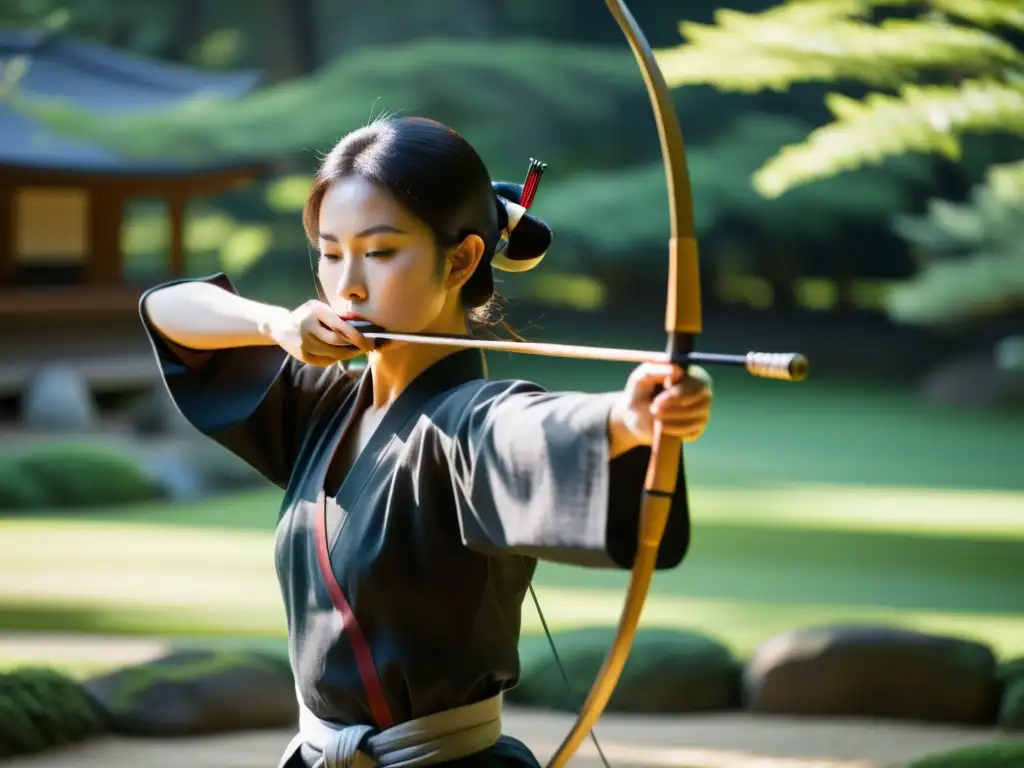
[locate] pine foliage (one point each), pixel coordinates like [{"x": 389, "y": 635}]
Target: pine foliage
[
  {"x": 918, "y": 119},
  {"x": 971, "y": 78},
  {"x": 601, "y": 214},
  {"x": 972, "y": 253},
  {"x": 506, "y": 96}
]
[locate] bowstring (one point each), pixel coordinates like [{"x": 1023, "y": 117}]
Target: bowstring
[
  {"x": 551, "y": 639},
  {"x": 562, "y": 672},
  {"x": 547, "y": 632}
]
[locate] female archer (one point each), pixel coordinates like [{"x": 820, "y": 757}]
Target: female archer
[{"x": 418, "y": 494}]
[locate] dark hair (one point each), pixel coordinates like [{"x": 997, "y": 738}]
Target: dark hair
[{"x": 438, "y": 176}]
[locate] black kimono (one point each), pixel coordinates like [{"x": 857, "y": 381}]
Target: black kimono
[{"x": 404, "y": 582}]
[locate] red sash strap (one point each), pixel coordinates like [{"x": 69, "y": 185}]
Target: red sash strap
[{"x": 360, "y": 647}]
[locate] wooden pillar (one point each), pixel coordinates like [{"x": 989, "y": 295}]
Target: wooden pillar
[
  {"x": 104, "y": 262},
  {"x": 176, "y": 213},
  {"x": 7, "y": 265}
]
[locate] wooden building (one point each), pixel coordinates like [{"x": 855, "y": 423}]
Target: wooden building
[{"x": 63, "y": 291}]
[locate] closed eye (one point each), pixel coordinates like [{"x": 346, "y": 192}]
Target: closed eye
[{"x": 382, "y": 253}]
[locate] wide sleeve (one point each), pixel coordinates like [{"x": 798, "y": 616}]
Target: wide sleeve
[
  {"x": 257, "y": 402},
  {"x": 532, "y": 475}
]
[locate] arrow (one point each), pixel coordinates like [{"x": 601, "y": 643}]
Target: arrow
[{"x": 786, "y": 366}]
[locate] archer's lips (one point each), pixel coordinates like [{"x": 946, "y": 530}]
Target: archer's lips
[{"x": 352, "y": 316}]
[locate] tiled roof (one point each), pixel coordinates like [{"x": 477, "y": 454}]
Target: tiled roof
[{"x": 99, "y": 79}]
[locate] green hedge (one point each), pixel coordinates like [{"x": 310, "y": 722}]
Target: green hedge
[
  {"x": 72, "y": 475},
  {"x": 16, "y": 490},
  {"x": 668, "y": 671},
  {"x": 41, "y": 709},
  {"x": 998, "y": 754}
]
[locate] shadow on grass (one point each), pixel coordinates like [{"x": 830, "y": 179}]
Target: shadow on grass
[
  {"x": 255, "y": 510},
  {"x": 123, "y": 620},
  {"x": 838, "y": 568}
]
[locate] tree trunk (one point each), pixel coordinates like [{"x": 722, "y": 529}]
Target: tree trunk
[
  {"x": 479, "y": 19},
  {"x": 186, "y": 29},
  {"x": 293, "y": 32},
  {"x": 782, "y": 274}
]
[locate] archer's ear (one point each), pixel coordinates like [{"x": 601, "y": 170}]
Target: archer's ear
[{"x": 463, "y": 260}]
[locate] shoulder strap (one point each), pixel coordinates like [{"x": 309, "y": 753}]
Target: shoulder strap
[{"x": 360, "y": 647}]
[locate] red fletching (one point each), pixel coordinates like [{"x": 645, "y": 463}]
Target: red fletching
[{"x": 532, "y": 182}]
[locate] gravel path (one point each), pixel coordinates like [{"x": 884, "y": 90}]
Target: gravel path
[
  {"x": 705, "y": 741},
  {"x": 732, "y": 740}
]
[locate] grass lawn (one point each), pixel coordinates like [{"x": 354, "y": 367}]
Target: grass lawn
[
  {"x": 757, "y": 566},
  {"x": 813, "y": 502}
]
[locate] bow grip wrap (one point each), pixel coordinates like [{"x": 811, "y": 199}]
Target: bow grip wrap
[{"x": 786, "y": 366}]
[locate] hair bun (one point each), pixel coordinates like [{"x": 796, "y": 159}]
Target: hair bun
[{"x": 525, "y": 239}]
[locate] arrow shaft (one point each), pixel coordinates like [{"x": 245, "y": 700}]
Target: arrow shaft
[
  {"x": 579, "y": 352},
  {"x": 774, "y": 365}
]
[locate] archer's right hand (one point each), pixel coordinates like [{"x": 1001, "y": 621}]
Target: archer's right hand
[{"x": 314, "y": 334}]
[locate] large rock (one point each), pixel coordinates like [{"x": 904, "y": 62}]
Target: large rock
[
  {"x": 874, "y": 672},
  {"x": 667, "y": 672},
  {"x": 177, "y": 476},
  {"x": 58, "y": 399},
  {"x": 154, "y": 414},
  {"x": 1011, "y": 708},
  {"x": 195, "y": 466},
  {"x": 197, "y": 692}
]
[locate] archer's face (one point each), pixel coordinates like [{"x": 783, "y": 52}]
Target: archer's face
[{"x": 377, "y": 260}]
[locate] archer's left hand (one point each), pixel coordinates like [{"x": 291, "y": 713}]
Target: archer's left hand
[{"x": 683, "y": 405}]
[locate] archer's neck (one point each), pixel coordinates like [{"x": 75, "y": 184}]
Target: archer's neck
[{"x": 399, "y": 363}]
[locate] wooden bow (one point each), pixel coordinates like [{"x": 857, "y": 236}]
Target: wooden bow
[{"x": 682, "y": 323}]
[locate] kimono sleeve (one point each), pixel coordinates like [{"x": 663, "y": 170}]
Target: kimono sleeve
[
  {"x": 257, "y": 402},
  {"x": 532, "y": 476}
]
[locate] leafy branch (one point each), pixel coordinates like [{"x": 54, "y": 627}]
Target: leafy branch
[
  {"x": 927, "y": 119},
  {"x": 973, "y": 254},
  {"x": 970, "y": 79}
]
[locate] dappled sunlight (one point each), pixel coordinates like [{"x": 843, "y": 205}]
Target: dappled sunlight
[
  {"x": 924, "y": 511},
  {"x": 162, "y": 577},
  {"x": 744, "y": 740},
  {"x": 643, "y": 756},
  {"x": 637, "y": 751},
  {"x": 81, "y": 654},
  {"x": 740, "y": 581},
  {"x": 884, "y": 493}
]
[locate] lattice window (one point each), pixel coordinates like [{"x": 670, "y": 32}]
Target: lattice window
[{"x": 51, "y": 225}]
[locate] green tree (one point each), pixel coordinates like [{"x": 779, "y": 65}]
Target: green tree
[
  {"x": 943, "y": 71},
  {"x": 546, "y": 103},
  {"x": 971, "y": 254},
  {"x": 935, "y": 78},
  {"x": 610, "y": 212}
]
